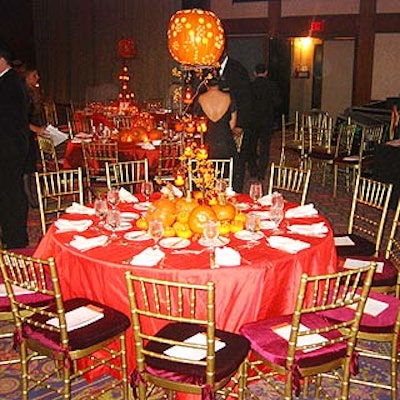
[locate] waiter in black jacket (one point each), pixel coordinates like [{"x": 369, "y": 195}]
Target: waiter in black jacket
[{"x": 14, "y": 130}]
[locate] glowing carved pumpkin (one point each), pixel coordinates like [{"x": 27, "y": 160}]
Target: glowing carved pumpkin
[
  {"x": 196, "y": 37},
  {"x": 224, "y": 212},
  {"x": 199, "y": 216}
]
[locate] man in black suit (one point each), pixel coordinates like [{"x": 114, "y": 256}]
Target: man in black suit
[
  {"x": 14, "y": 129},
  {"x": 236, "y": 80}
]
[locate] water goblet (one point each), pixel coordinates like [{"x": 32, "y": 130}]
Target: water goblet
[
  {"x": 113, "y": 197},
  {"x": 156, "y": 231},
  {"x": 253, "y": 223},
  {"x": 210, "y": 233},
  {"x": 146, "y": 188},
  {"x": 277, "y": 200},
  {"x": 113, "y": 221},
  {"x": 276, "y": 216},
  {"x": 256, "y": 191},
  {"x": 101, "y": 210}
]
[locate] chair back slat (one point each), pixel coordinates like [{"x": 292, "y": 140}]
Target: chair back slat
[{"x": 127, "y": 174}]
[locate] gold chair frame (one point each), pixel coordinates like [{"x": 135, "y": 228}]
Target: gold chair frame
[
  {"x": 168, "y": 162},
  {"x": 56, "y": 191},
  {"x": 29, "y": 274},
  {"x": 170, "y": 302},
  {"x": 223, "y": 169},
  {"x": 376, "y": 196},
  {"x": 48, "y": 154},
  {"x": 127, "y": 173},
  {"x": 289, "y": 179},
  {"x": 330, "y": 292}
]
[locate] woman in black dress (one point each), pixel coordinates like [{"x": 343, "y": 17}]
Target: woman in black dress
[{"x": 220, "y": 109}]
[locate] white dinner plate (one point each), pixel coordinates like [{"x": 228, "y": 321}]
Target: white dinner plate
[
  {"x": 174, "y": 243},
  {"x": 129, "y": 216},
  {"x": 262, "y": 214},
  {"x": 144, "y": 206},
  {"x": 220, "y": 241},
  {"x": 123, "y": 226},
  {"x": 247, "y": 235},
  {"x": 137, "y": 236},
  {"x": 266, "y": 224},
  {"x": 156, "y": 142},
  {"x": 242, "y": 206}
]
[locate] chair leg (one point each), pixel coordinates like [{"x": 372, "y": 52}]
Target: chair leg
[
  {"x": 242, "y": 384},
  {"x": 24, "y": 371},
  {"x": 124, "y": 367},
  {"x": 335, "y": 180}
]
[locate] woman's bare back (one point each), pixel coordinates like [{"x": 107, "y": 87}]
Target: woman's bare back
[{"x": 215, "y": 104}]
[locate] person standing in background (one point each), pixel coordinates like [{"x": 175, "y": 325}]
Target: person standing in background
[
  {"x": 265, "y": 101},
  {"x": 14, "y": 130},
  {"x": 236, "y": 80},
  {"x": 36, "y": 126}
]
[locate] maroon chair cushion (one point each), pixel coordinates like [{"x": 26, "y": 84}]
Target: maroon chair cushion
[
  {"x": 388, "y": 276},
  {"x": 382, "y": 323},
  {"x": 272, "y": 347},
  {"x": 113, "y": 323},
  {"x": 362, "y": 247},
  {"x": 227, "y": 360},
  {"x": 25, "y": 251}
]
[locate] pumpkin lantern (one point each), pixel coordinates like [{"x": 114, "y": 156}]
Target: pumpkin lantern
[{"x": 196, "y": 37}]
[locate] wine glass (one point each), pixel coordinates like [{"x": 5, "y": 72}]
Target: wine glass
[
  {"x": 101, "y": 210},
  {"x": 156, "y": 231},
  {"x": 113, "y": 221},
  {"x": 256, "y": 191},
  {"x": 147, "y": 190},
  {"x": 276, "y": 216},
  {"x": 277, "y": 200},
  {"x": 253, "y": 223},
  {"x": 210, "y": 232},
  {"x": 113, "y": 197}
]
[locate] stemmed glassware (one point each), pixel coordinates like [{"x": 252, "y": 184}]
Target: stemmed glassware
[
  {"x": 276, "y": 211},
  {"x": 101, "y": 210},
  {"x": 114, "y": 221},
  {"x": 253, "y": 225},
  {"x": 210, "y": 233},
  {"x": 220, "y": 187},
  {"x": 113, "y": 197},
  {"x": 256, "y": 191},
  {"x": 156, "y": 231},
  {"x": 147, "y": 189}
]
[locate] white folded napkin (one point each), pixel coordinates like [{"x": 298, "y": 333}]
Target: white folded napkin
[
  {"x": 230, "y": 192},
  {"x": 76, "y": 208},
  {"x": 67, "y": 225},
  {"x": 148, "y": 257},
  {"x": 287, "y": 244},
  {"x": 305, "y": 211},
  {"x": 82, "y": 243},
  {"x": 317, "y": 229},
  {"x": 126, "y": 197},
  {"x": 266, "y": 200},
  {"x": 175, "y": 191},
  {"x": 147, "y": 146},
  {"x": 226, "y": 256}
]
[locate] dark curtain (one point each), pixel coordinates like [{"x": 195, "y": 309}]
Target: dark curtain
[{"x": 76, "y": 46}]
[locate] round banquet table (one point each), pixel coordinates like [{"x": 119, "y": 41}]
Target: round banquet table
[
  {"x": 73, "y": 156},
  {"x": 265, "y": 284}
]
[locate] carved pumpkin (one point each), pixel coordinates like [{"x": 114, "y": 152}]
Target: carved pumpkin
[
  {"x": 224, "y": 212},
  {"x": 155, "y": 134},
  {"x": 196, "y": 37},
  {"x": 163, "y": 209},
  {"x": 199, "y": 216}
]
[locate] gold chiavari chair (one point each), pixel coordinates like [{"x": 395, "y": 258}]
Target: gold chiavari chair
[
  {"x": 96, "y": 155},
  {"x": 200, "y": 358},
  {"x": 168, "y": 161},
  {"x": 223, "y": 169},
  {"x": 306, "y": 345},
  {"x": 50, "y": 113},
  {"x": 367, "y": 219},
  {"x": 291, "y": 180},
  {"x": 56, "y": 191},
  {"x": 122, "y": 121},
  {"x": 127, "y": 174},
  {"x": 377, "y": 328},
  {"x": 359, "y": 153},
  {"x": 48, "y": 154},
  {"x": 292, "y": 140},
  {"x": 50, "y": 331}
]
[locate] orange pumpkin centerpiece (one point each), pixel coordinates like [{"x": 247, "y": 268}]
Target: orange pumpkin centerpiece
[
  {"x": 155, "y": 134},
  {"x": 163, "y": 209},
  {"x": 224, "y": 212},
  {"x": 198, "y": 216}
]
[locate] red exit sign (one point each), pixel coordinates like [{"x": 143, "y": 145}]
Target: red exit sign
[{"x": 317, "y": 26}]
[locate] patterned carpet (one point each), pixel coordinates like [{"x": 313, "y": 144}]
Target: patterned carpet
[{"x": 336, "y": 211}]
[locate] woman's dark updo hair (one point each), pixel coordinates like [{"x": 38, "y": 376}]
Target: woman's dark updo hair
[{"x": 214, "y": 81}]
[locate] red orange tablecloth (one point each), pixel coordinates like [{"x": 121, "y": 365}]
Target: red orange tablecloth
[{"x": 265, "y": 284}]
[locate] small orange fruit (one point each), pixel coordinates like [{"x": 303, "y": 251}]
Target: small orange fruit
[
  {"x": 142, "y": 224},
  {"x": 169, "y": 231}
]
